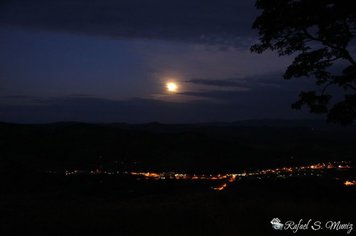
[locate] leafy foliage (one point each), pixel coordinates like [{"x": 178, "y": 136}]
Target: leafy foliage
[{"x": 320, "y": 34}]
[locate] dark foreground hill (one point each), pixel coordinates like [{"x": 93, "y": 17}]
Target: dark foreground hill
[{"x": 34, "y": 201}]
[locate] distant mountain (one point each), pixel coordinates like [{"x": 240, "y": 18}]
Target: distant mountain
[
  {"x": 291, "y": 123},
  {"x": 265, "y": 123},
  {"x": 157, "y": 126},
  {"x": 189, "y": 147}
]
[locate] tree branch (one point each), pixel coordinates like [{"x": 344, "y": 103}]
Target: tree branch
[
  {"x": 351, "y": 86},
  {"x": 343, "y": 50}
]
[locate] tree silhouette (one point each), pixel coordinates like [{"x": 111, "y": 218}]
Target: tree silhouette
[{"x": 320, "y": 34}]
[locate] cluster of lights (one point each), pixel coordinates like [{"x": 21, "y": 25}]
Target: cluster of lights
[
  {"x": 73, "y": 172},
  {"x": 92, "y": 172},
  {"x": 227, "y": 179},
  {"x": 230, "y": 178},
  {"x": 350, "y": 183},
  {"x": 179, "y": 176}
]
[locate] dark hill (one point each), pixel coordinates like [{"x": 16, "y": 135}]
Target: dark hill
[{"x": 154, "y": 146}]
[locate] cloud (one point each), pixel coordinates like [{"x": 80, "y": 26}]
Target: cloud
[
  {"x": 235, "y": 83},
  {"x": 17, "y": 97},
  {"x": 219, "y": 22},
  {"x": 256, "y": 99},
  {"x": 242, "y": 84},
  {"x": 82, "y": 95},
  {"x": 259, "y": 90}
]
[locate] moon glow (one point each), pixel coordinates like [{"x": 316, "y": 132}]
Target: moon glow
[{"x": 171, "y": 87}]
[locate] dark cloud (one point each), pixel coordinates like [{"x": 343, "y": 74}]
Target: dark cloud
[
  {"x": 82, "y": 95},
  {"x": 17, "y": 97},
  {"x": 256, "y": 90},
  {"x": 247, "y": 83},
  {"x": 257, "y": 99},
  {"x": 219, "y": 82},
  {"x": 211, "y": 21}
]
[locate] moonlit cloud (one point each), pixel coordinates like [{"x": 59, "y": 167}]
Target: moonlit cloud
[{"x": 218, "y": 82}]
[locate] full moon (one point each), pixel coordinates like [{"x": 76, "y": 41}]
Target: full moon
[{"x": 172, "y": 87}]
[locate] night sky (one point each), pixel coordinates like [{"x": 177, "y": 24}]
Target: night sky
[{"x": 110, "y": 60}]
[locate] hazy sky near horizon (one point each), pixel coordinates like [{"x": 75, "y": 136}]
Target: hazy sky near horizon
[{"x": 109, "y": 61}]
